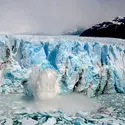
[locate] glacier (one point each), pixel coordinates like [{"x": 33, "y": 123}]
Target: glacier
[
  {"x": 43, "y": 66},
  {"x": 92, "y": 66}
]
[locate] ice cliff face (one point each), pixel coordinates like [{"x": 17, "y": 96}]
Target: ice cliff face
[{"x": 90, "y": 65}]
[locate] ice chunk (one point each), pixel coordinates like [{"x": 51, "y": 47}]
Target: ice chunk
[{"x": 50, "y": 121}]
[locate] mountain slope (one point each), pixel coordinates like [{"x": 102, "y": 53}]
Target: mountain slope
[
  {"x": 114, "y": 29},
  {"x": 78, "y": 31}
]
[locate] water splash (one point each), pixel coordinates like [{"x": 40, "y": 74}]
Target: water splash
[
  {"x": 44, "y": 87},
  {"x": 42, "y": 84}
]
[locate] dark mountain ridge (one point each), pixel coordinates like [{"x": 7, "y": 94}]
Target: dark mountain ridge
[{"x": 113, "y": 29}]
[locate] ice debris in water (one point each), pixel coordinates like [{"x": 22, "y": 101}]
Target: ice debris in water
[{"x": 60, "y": 118}]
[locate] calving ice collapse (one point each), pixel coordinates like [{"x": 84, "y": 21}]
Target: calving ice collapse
[{"x": 92, "y": 66}]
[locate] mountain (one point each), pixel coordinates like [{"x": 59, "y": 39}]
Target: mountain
[
  {"x": 78, "y": 31},
  {"x": 114, "y": 29}
]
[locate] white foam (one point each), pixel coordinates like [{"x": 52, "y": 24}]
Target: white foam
[
  {"x": 69, "y": 103},
  {"x": 43, "y": 84}
]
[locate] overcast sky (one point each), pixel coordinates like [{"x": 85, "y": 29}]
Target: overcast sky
[{"x": 55, "y": 16}]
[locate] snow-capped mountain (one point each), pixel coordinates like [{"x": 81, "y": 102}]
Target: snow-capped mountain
[
  {"x": 114, "y": 28},
  {"x": 76, "y": 31}
]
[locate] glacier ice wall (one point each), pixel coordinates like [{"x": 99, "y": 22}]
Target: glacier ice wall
[{"x": 90, "y": 65}]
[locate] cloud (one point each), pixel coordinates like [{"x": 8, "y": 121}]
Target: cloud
[{"x": 55, "y": 16}]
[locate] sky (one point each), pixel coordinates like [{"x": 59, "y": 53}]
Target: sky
[{"x": 55, "y": 16}]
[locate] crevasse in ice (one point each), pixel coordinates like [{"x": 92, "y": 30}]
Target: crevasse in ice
[{"x": 90, "y": 65}]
